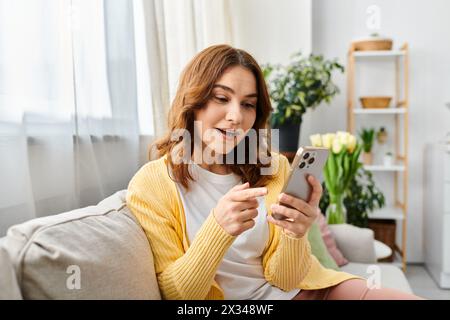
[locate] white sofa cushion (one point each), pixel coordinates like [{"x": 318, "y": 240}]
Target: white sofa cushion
[
  {"x": 102, "y": 244},
  {"x": 356, "y": 244}
]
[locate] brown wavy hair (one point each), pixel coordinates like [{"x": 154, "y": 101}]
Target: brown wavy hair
[{"x": 195, "y": 90}]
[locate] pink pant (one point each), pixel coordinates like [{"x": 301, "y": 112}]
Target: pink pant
[{"x": 354, "y": 289}]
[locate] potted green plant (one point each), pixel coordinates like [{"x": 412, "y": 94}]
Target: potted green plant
[
  {"x": 301, "y": 85},
  {"x": 367, "y": 137},
  {"x": 361, "y": 198}
]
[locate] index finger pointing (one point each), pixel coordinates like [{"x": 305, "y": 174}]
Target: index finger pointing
[
  {"x": 248, "y": 194},
  {"x": 241, "y": 186},
  {"x": 316, "y": 193}
]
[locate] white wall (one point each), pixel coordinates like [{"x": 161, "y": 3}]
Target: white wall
[
  {"x": 425, "y": 25},
  {"x": 272, "y": 30}
]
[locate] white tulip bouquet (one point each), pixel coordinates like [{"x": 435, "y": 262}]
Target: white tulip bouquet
[{"x": 341, "y": 167}]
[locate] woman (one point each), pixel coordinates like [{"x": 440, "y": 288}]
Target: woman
[{"x": 207, "y": 215}]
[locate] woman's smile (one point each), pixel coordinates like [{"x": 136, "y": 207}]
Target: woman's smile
[{"x": 229, "y": 134}]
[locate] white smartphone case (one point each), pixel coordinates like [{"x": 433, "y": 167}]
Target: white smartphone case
[{"x": 307, "y": 161}]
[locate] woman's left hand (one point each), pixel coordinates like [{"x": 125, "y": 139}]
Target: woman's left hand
[{"x": 300, "y": 214}]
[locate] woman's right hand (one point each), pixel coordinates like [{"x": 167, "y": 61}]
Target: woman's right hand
[{"x": 236, "y": 210}]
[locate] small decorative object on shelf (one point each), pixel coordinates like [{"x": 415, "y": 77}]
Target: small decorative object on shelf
[
  {"x": 376, "y": 102},
  {"x": 382, "y": 135},
  {"x": 340, "y": 169},
  {"x": 388, "y": 159},
  {"x": 367, "y": 137}
]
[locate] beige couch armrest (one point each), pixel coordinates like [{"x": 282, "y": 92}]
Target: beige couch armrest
[{"x": 356, "y": 244}]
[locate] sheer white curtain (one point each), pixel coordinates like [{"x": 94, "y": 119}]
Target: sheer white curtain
[
  {"x": 69, "y": 127},
  {"x": 175, "y": 30},
  {"x": 191, "y": 26}
]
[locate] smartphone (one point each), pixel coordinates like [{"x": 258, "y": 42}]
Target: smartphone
[{"x": 307, "y": 161}]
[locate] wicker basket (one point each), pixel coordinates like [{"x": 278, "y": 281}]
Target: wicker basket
[
  {"x": 375, "y": 102},
  {"x": 375, "y": 44}
]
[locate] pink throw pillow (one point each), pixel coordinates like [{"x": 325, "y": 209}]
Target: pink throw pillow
[{"x": 330, "y": 242}]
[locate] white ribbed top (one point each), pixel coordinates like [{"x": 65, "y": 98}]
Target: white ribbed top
[{"x": 240, "y": 274}]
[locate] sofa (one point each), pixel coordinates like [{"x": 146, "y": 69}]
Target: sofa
[{"x": 101, "y": 252}]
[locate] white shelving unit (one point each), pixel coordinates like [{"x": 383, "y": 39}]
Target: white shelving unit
[
  {"x": 380, "y": 111},
  {"x": 399, "y": 112},
  {"x": 379, "y": 53}
]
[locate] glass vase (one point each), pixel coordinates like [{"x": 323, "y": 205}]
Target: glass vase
[{"x": 336, "y": 212}]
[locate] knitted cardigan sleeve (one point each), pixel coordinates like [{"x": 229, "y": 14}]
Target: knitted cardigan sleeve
[{"x": 180, "y": 274}]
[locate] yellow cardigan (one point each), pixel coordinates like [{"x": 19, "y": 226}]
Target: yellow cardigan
[{"x": 187, "y": 271}]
